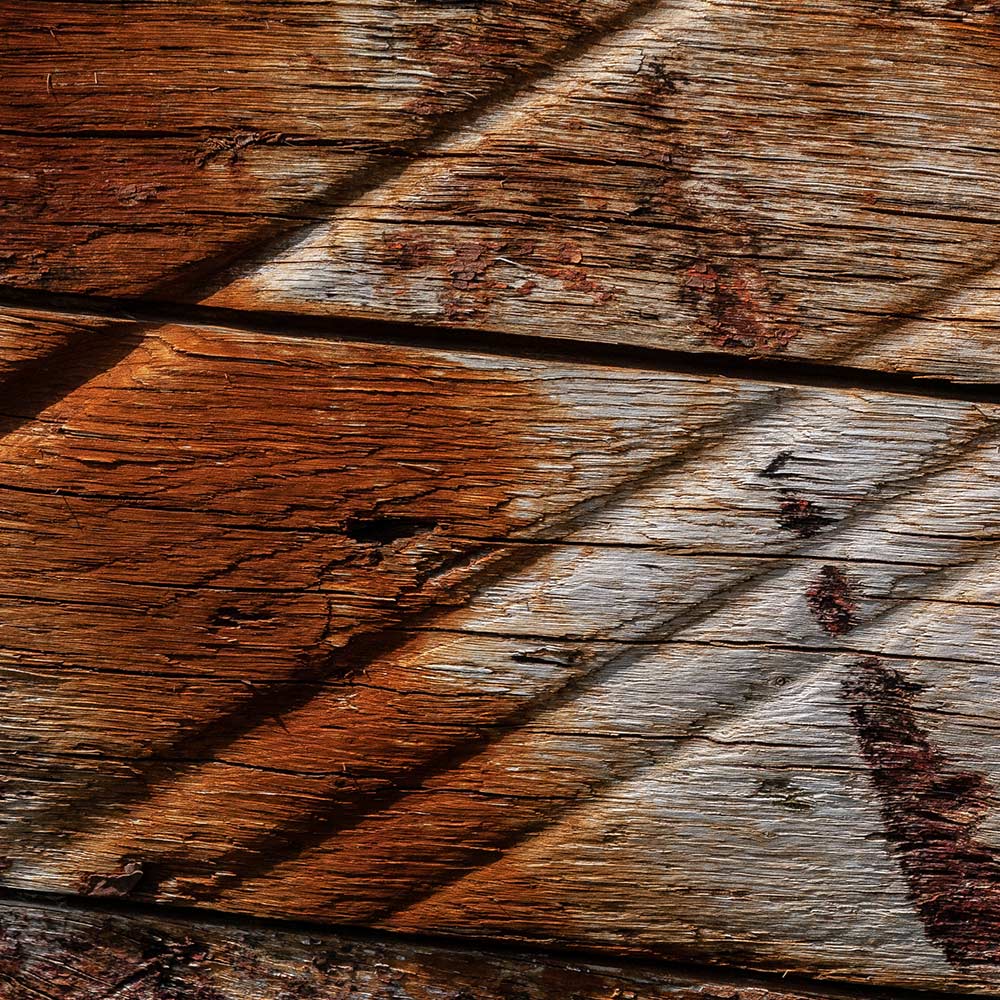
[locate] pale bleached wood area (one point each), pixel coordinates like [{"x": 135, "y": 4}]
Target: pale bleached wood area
[{"x": 505, "y": 473}]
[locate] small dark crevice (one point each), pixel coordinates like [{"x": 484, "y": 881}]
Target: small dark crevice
[
  {"x": 384, "y": 529},
  {"x": 228, "y": 615},
  {"x": 774, "y": 467}
]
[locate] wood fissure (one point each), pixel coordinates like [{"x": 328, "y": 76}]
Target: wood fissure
[{"x": 66, "y": 953}]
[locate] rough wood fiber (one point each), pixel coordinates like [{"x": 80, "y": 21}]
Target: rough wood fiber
[
  {"x": 57, "y": 953},
  {"x": 149, "y": 144},
  {"x": 447, "y": 642},
  {"x": 811, "y": 180},
  {"x": 817, "y": 180}
]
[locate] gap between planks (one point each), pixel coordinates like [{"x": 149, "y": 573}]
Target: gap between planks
[{"x": 495, "y": 343}]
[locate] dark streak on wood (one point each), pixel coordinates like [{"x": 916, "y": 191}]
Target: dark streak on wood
[
  {"x": 932, "y": 811},
  {"x": 831, "y": 601}
]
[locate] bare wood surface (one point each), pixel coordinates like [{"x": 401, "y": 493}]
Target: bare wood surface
[
  {"x": 54, "y": 952},
  {"x": 446, "y": 642},
  {"x": 759, "y": 178},
  {"x": 144, "y": 149},
  {"x": 814, "y": 182}
]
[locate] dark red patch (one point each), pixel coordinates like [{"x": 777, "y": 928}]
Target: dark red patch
[
  {"x": 931, "y": 812},
  {"x": 803, "y": 517},
  {"x": 830, "y": 601},
  {"x": 736, "y": 308}
]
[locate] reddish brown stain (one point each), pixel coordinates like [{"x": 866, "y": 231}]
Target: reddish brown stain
[
  {"x": 831, "y": 602},
  {"x": 470, "y": 47},
  {"x": 931, "y": 811},
  {"x": 735, "y": 307},
  {"x": 803, "y": 517},
  {"x": 576, "y": 278},
  {"x": 471, "y": 288},
  {"x": 405, "y": 252}
]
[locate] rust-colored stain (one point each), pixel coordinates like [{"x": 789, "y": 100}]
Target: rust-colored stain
[
  {"x": 932, "y": 811},
  {"x": 831, "y": 602},
  {"x": 735, "y": 307},
  {"x": 405, "y": 252},
  {"x": 570, "y": 271}
]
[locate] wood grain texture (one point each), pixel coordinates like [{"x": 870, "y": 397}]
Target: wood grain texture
[
  {"x": 144, "y": 149},
  {"x": 439, "y": 641},
  {"x": 779, "y": 178},
  {"x": 810, "y": 180},
  {"x": 59, "y": 953},
  {"x": 814, "y": 181}
]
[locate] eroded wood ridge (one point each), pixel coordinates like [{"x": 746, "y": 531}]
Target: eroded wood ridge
[
  {"x": 62, "y": 953},
  {"x": 450, "y": 642}
]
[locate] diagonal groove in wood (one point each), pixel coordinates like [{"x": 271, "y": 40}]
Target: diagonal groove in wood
[
  {"x": 314, "y": 832},
  {"x": 286, "y": 839}
]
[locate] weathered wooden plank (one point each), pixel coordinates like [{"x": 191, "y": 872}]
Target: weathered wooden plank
[
  {"x": 711, "y": 175},
  {"x": 151, "y": 147},
  {"x": 721, "y": 176},
  {"x": 61, "y": 953},
  {"x": 441, "y": 641}
]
